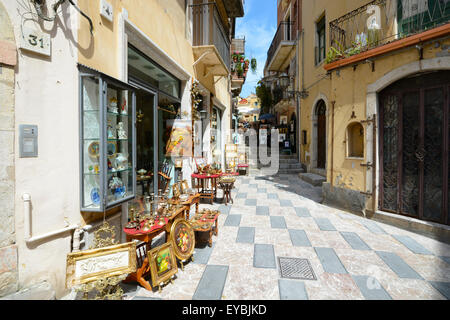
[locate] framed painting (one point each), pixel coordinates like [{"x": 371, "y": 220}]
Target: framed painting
[
  {"x": 184, "y": 187},
  {"x": 182, "y": 238},
  {"x": 163, "y": 263},
  {"x": 90, "y": 265},
  {"x": 176, "y": 192}
]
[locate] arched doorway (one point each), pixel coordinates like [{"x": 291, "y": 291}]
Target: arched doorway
[
  {"x": 414, "y": 152},
  {"x": 321, "y": 147}
]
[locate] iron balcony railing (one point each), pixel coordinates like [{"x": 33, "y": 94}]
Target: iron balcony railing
[
  {"x": 383, "y": 21},
  {"x": 285, "y": 32},
  {"x": 238, "y": 45},
  {"x": 209, "y": 30}
]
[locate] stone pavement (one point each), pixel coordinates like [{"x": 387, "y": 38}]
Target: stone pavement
[{"x": 281, "y": 217}]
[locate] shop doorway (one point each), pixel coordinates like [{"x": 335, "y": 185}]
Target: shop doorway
[
  {"x": 414, "y": 152},
  {"x": 145, "y": 141},
  {"x": 321, "y": 134},
  {"x": 157, "y": 106}
]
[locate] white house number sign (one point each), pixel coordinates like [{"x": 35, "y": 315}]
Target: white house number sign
[{"x": 36, "y": 41}]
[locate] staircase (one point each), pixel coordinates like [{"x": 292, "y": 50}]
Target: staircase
[{"x": 289, "y": 165}]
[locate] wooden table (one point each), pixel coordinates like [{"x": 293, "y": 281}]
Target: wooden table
[
  {"x": 227, "y": 186},
  {"x": 142, "y": 180},
  {"x": 143, "y": 266},
  {"x": 211, "y": 223},
  {"x": 206, "y": 185},
  {"x": 193, "y": 199}
]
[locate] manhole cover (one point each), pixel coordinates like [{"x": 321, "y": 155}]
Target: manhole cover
[{"x": 296, "y": 268}]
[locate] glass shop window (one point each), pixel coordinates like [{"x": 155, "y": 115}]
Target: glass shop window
[{"x": 141, "y": 67}]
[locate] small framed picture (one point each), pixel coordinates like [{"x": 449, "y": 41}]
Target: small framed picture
[
  {"x": 163, "y": 263},
  {"x": 176, "y": 192},
  {"x": 283, "y": 119}
]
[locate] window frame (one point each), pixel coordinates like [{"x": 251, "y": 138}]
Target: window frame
[{"x": 321, "y": 32}]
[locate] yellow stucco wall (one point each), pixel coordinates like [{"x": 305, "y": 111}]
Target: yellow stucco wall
[
  {"x": 349, "y": 91},
  {"x": 162, "y": 21},
  {"x": 347, "y": 87}
]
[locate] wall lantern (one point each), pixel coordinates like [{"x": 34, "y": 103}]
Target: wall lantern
[{"x": 284, "y": 80}]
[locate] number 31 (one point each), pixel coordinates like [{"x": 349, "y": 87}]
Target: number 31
[{"x": 33, "y": 40}]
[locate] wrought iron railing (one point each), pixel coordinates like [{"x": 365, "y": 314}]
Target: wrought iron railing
[
  {"x": 208, "y": 29},
  {"x": 238, "y": 45},
  {"x": 382, "y": 21},
  {"x": 285, "y": 32}
]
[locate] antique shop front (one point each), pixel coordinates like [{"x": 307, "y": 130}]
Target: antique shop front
[{"x": 157, "y": 105}]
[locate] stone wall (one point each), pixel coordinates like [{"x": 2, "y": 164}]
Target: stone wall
[
  {"x": 8, "y": 247},
  {"x": 343, "y": 198}
]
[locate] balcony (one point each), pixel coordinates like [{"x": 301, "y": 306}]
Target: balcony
[
  {"x": 382, "y": 26},
  {"x": 282, "y": 47},
  {"x": 236, "y": 83},
  {"x": 234, "y": 8},
  {"x": 238, "y": 45},
  {"x": 210, "y": 40}
]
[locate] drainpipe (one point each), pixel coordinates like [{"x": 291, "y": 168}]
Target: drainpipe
[
  {"x": 374, "y": 162},
  {"x": 332, "y": 145},
  {"x": 29, "y": 239}
]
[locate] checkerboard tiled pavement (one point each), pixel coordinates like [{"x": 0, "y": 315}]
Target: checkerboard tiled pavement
[{"x": 351, "y": 257}]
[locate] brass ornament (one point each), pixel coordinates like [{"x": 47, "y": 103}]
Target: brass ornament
[
  {"x": 107, "y": 288},
  {"x": 100, "y": 241}
]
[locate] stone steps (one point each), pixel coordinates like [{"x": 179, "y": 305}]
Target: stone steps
[
  {"x": 312, "y": 178},
  {"x": 291, "y": 171}
]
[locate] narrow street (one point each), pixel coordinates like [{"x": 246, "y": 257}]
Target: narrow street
[{"x": 280, "y": 216}]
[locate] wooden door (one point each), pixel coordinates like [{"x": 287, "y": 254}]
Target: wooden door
[
  {"x": 321, "y": 134},
  {"x": 414, "y": 138}
]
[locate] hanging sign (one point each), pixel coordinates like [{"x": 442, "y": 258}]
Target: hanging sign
[{"x": 35, "y": 41}]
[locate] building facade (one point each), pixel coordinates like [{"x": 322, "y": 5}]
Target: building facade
[
  {"x": 153, "y": 54},
  {"x": 374, "y": 111},
  {"x": 249, "y": 109},
  {"x": 281, "y": 72}
]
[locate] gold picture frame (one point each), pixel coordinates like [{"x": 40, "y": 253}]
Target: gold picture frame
[
  {"x": 184, "y": 186},
  {"x": 90, "y": 265},
  {"x": 182, "y": 237},
  {"x": 163, "y": 264},
  {"x": 176, "y": 190}
]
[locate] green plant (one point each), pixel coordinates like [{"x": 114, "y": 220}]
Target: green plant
[
  {"x": 253, "y": 65},
  {"x": 239, "y": 70},
  {"x": 265, "y": 97}
]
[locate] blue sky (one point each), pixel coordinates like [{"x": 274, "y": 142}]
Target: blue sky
[{"x": 258, "y": 25}]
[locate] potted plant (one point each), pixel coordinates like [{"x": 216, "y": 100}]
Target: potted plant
[
  {"x": 253, "y": 65},
  {"x": 241, "y": 58},
  {"x": 235, "y": 57},
  {"x": 239, "y": 70}
]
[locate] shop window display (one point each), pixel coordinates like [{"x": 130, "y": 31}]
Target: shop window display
[{"x": 107, "y": 141}]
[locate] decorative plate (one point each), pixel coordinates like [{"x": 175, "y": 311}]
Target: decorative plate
[
  {"x": 183, "y": 239},
  {"x": 95, "y": 196},
  {"x": 120, "y": 192},
  {"x": 94, "y": 149}
]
